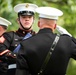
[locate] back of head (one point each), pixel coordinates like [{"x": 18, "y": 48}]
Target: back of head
[
  {"x": 48, "y": 17},
  {"x": 25, "y": 9}
]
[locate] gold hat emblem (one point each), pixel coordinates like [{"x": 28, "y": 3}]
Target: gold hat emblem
[{"x": 27, "y": 5}]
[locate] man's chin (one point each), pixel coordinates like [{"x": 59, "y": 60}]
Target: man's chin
[{"x": 27, "y": 28}]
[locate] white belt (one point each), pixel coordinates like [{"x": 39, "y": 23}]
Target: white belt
[{"x": 12, "y": 66}]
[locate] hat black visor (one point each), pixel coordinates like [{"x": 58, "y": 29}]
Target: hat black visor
[{"x": 24, "y": 13}]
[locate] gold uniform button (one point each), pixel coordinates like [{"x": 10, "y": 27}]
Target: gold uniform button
[
  {"x": 15, "y": 44},
  {"x": 23, "y": 32}
]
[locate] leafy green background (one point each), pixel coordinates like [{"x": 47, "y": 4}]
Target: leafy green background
[{"x": 68, "y": 20}]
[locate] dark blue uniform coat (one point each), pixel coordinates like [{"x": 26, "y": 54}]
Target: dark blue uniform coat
[{"x": 34, "y": 50}]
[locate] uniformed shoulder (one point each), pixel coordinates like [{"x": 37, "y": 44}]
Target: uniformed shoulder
[
  {"x": 65, "y": 35},
  {"x": 65, "y": 38},
  {"x": 8, "y": 34}
]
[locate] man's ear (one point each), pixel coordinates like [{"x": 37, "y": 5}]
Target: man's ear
[
  {"x": 55, "y": 26},
  {"x": 38, "y": 23},
  {"x": 0, "y": 27},
  {"x": 18, "y": 20}
]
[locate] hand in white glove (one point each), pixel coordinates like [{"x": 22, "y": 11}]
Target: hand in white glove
[{"x": 62, "y": 30}]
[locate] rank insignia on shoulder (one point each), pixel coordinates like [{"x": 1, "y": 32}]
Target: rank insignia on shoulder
[{"x": 2, "y": 39}]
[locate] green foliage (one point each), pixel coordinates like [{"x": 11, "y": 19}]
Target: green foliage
[{"x": 68, "y": 20}]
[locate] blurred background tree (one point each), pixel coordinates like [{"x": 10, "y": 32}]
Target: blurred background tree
[{"x": 68, "y": 20}]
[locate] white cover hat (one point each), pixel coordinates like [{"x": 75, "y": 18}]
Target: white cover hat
[
  {"x": 4, "y": 22},
  {"x": 25, "y": 7},
  {"x": 49, "y": 12}
]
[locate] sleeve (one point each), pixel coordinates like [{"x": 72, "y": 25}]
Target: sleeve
[
  {"x": 22, "y": 66},
  {"x": 73, "y": 48},
  {"x": 5, "y": 54},
  {"x": 5, "y": 41}
]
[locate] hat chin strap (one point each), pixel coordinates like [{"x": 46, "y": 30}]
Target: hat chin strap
[{"x": 24, "y": 27}]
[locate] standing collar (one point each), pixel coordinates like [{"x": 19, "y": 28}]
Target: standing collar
[
  {"x": 23, "y": 32},
  {"x": 45, "y": 30}
]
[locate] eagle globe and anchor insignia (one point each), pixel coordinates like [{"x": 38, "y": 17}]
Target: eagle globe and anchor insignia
[{"x": 27, "y": 5}]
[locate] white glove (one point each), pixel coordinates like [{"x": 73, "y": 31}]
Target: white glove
[{"x": 62, "y": 30}]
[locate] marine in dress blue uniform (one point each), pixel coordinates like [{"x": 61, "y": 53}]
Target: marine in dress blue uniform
[
  {"x": 34, "y": 50},
  {"x": 10, "y": 40},
  {"x": 4, "y": 23}
]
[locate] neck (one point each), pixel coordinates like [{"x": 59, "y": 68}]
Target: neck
[{"x": 46, "y": 26}]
